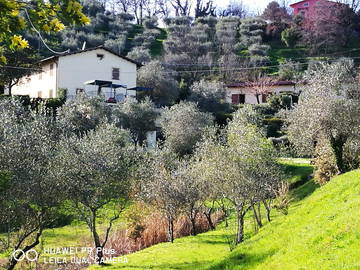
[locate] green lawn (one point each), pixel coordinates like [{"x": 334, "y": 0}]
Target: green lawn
[{"x": 321, "y": 231}]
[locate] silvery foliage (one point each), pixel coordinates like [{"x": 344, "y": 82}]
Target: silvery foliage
[
  {"x": 209, "y": 95},
  {"x": 183, "y": 125},
  {"x": 165, "y": 89},
  {"x": 96, "y": 169},
  {"x": 137, "y": 117},
  {"x": 329, "y": 109},
  {"x": 160, "y": 185},
  {"x": 29, "y": 196},
  {"x": 241, "y": 167},
  {"x": 96, "y": 166},
  {"x": 140, "y": 54},
  {"x": 83, "y": 114},
  {"x": 173, "y": 186}
]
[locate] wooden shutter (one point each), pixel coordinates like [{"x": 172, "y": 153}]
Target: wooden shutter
[
  {"x": 115, "y": 73},
  {"x": 235, "y": 99}
]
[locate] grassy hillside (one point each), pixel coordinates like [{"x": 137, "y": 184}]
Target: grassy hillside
[{"x": 321, "y": 231}]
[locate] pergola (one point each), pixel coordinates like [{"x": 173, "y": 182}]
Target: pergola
[
  {"x": 105, "y": 84},
  {"x": 113, "y": 86}
]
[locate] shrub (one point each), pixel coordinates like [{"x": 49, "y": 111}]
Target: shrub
[
  {"x": 290, "y": 36},
  {"x": 273, "y": 126},
  {"x": 325, "y": 164}
]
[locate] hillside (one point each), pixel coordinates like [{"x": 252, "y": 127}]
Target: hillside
[{"x": 321, "y": 231}]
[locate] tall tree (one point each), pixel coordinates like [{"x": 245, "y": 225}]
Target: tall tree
[
  {"x": 204, "y": 9},
  {"x": 182, "y": 7},
  {"x": 29, "y": 196},
  {"x": 328, "y": 112},
  {"x": 17, "y": 16},
  {"x": 96, "y": 169}
]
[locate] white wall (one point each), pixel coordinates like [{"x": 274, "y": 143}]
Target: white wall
[
  {"x": 250, "y": 97},
  {"x": 41, "y": 84},
  {"x": 78, "y": 68}
]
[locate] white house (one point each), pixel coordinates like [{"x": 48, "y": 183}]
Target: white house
[
  {"x": 91, "y": 71},
  {"x": 244, "y": 93}
]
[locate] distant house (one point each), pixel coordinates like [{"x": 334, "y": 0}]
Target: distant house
[
  {"x": 244, "y": 93},
  {"x": 310, "y": 8},
  {"x": 93, "y": 71}
]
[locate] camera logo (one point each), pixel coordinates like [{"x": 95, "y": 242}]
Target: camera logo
[{"x": 30, "y": 255}]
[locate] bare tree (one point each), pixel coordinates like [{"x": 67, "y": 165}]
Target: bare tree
[
  {"x": 182, "y": 7},
  {"x": 261, "y": 87},
  {"x": 124, "y": 5},
  {"x": 204, "y": 9},
  {"x": 235, "y": 8}
]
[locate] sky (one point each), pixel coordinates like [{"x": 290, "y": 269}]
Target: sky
[{"x": 255, "y": 6}]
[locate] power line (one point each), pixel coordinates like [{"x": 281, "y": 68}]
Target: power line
[
  {"x": 203, "y": 70},
  {"x": 41, "y": 38}
]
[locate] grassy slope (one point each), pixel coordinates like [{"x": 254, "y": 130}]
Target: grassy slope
[
  {"x": 322, "y": 231},
  {"x": 201, "y": 251}
]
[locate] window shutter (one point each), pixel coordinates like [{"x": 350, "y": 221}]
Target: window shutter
[
  {"x": 235, "y": 99},
  {"x": 116, "y": 74}
]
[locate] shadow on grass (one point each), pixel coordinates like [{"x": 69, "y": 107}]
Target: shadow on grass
[
  {"x": 304, "y": 191},
  {"x": 212, "y": 239},
  {"x": 244, "y": 259},
  {"x": 165, "y": 266}
]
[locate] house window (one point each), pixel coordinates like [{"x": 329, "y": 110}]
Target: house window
[
  {"x": 51, "y": 93},
  {"x": 39, "y": 94},
  {"x": 306, "y": 4},
  {"x": 51, "y": 69},
  {"x": 40, "y": 75},
  {"x": 116, "y": 74},
  {"x": 238, "y": 99},
  {"x": 100, "y": 56}
]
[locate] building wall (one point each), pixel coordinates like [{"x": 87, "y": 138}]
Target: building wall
[
  {"x": 78, "y": 68},
  {"x": 40, "y": 84},
  {"x": 71, "y": 71},
  {"x": 250, "y": 97},
  {"x": 310, "y": 8}
]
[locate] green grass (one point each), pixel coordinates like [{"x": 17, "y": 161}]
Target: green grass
[
  {"x": 321, "y": 231},
  {"x": 297, "y": 170}
]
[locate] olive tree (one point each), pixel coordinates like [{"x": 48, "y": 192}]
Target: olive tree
[
  {"x": 96, "y": 169},
  {"x": 183, "y": 125},
  {"x": 29, "y": 196},
  {"x": 138, "y": 117},
  {"x": 209, "y": 95},
  {"x": 328, "y": 111},
  {"x": 83, "y": 114},
  {"x": 159, "y": 185},
  {"x": 206, "y": 169},
  {"x": 244, "y": 165},
  {"x": 165, "y": 89}
]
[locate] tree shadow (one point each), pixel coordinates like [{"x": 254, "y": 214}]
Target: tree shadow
[
  {"x": 305, "y": 190},
  {"x": 247, "y": 260}
]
